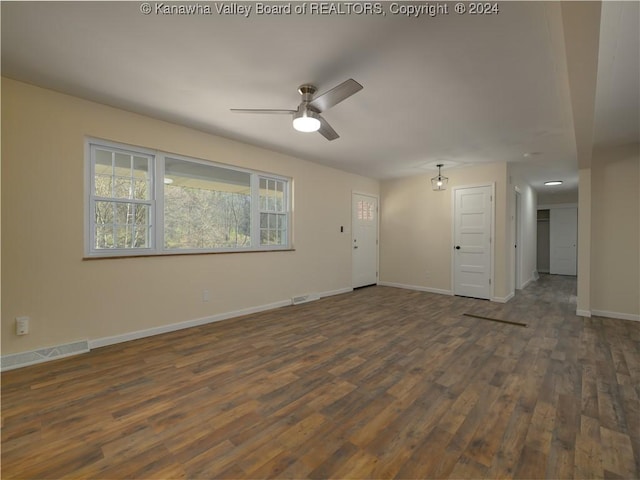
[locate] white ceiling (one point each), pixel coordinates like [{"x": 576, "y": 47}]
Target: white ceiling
[{"x": 453, "y": 89}]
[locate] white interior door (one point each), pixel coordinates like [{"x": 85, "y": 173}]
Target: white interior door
[
  {"x": 364, "y": 219},
  {"x": 563, "y": 239},
  {"x": 472, "y": 242}
]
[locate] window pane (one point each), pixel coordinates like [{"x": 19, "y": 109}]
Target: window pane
[
  {"x": 103, "y": 173},
  {"x": 121, "y": 175},
  {"x": 273, "y": 218},
  {"x": 103, "y": 185},
  {"x": 104, "y": 236},
  {"x": 121, "y": 187},
  {"x": 140, "y": 167},
  {"x": 272, "y": 195},
  {"x": 273, "y": 229},
  {"x": 104, "y": 159},
  {"x": 122, "y": 225},
  {"x": 206, "y": 206}
]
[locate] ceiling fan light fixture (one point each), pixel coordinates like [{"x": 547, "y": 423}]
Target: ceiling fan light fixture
[
  {"x": 306, "y": 120},
  {"x": 439, "y": 182}
]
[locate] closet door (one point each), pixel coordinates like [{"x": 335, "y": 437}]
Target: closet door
[{"x": 563, "y": 239}]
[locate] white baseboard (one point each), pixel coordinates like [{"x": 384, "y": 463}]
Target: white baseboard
[
  {"x": 331, "y": 293},
  {"x": 416, "y": 287},
  {"x": 172, "y": 327},
  {"x": 532, "y": 279},
  {"x": 617, "y": 315},
  {"x": 23, "y": 359},
  {"x": 583, "y": 313},
  {"x": 503, "y": 299}
]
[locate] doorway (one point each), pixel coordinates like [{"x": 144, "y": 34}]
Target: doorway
[
  {"x": 563, "y": 240},
  {"x": 542, "y": 257},
  {"x": 364, "y": 244},
  {"x": 557, "y": 240}
]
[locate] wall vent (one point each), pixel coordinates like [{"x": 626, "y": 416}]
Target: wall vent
[
  {"x": 305, "y": 298},
  {"x": 17, "y": 360}
]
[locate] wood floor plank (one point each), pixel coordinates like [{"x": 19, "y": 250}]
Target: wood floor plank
[
  {"x": 617, "y": 453},
  {"x": 588, "y": 451},
  {"x": 377, "y": 383}
]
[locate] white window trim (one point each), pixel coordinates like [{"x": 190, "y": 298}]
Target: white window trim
[
  {"x": 156, "y": 240},
  {"x": 286, "y": 213}
]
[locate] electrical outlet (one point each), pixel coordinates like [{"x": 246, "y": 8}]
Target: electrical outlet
[
  {"x": 206, "y": 295},
  {"x": 22, "y": 325}
]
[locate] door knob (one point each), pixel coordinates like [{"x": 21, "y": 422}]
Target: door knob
[
  {"x": 355, "y": 246},
  {"x": 457, "y": 247}
]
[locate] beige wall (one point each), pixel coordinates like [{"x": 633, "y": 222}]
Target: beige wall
[
  {"x": 43, "y": 272},
  {"x": 615, "y": 230},
  {"x": 584, "y": 242},
  {"x": 558, "y": 198},
  {"x": 416, "y": 229},
  {"x": 527, "y": 249}
]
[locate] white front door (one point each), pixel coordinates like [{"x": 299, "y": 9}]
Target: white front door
[
  {"x": 563, "y": 238},
  {"x": 472, "y": 242},
  {"x": 364, "y": 243}
]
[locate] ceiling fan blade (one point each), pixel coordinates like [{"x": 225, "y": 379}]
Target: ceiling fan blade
[
  {"x": 327, "y": 131},
  {"x": 262, "y": 110},
  {"x": 335, "y": 95}
]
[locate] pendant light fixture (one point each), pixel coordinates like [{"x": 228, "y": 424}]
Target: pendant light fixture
[{"x": 439, "y": 182}]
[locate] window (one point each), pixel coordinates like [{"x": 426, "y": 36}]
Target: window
[
  {"x": 147, "y": 202},
  {"x": 205, "y": 206},
  {"x": 365, "y": 210},
  {"x": 122, "y": 199},
  {"x": 273, "y": 212}
]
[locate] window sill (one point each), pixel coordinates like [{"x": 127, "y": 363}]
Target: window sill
[{"x": 180, "y": 254}]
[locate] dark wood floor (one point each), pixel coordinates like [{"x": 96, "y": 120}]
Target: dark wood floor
[{"x": 378, "y": 383}]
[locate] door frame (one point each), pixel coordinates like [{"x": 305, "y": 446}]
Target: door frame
[
  {"x": 377, "y": 197},
  {"x": 492, "y": 233},
  {"x": 551, "y": 206},
  {"x": 551, "y": 210},
  {"x": 517, "y": 205}
]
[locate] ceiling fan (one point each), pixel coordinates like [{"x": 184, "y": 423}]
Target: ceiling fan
[{"x": 306, "y": 118}]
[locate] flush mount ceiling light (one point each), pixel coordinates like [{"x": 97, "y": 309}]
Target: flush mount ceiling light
[
  {"x": 553, "y": 182},
  {"x": 306, "y": 120},
  {"x": 439, "y": 182}
]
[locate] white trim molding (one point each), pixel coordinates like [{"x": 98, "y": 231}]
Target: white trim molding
[
  {"x": 617, "y": 315},
  {"x": 583, "y": 313},
  {"x": 439, "y": 291},
  {"x": 23, "y": 359},
  {"x": 331, "y": 293},
  {"x": 172, "y": 327},
  {"x": 503, "y": 299},
  {"x": 531, "y": 279}
]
